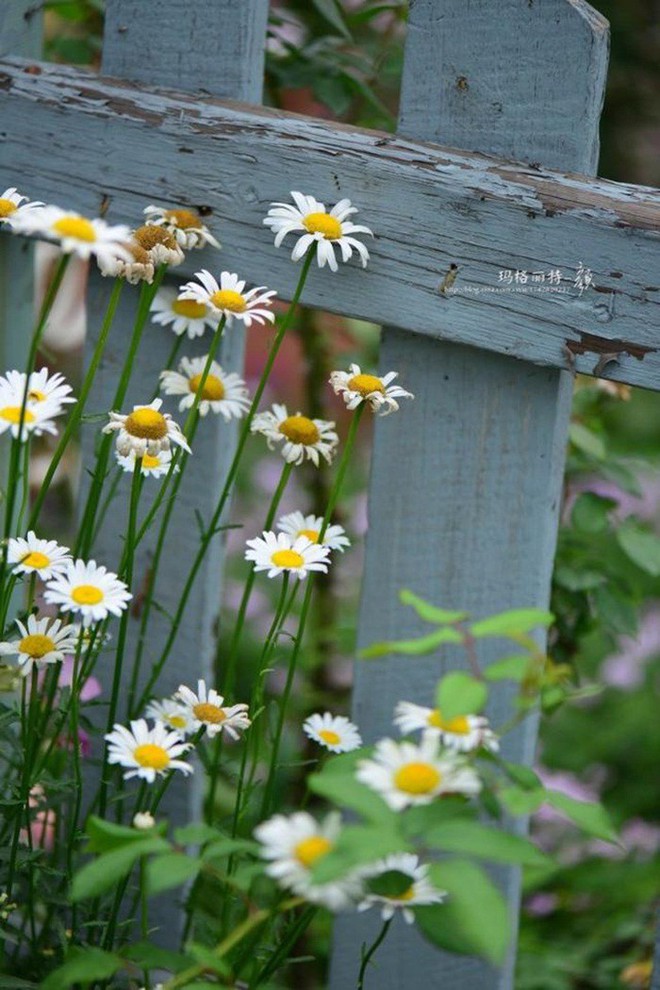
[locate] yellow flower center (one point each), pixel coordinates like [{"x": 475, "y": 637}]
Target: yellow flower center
[
  {"x": 417, "y": 778},
  {"x": 189, "y": 308},
  {"x": 365, "y": 385},
  {"x": 36, "y": 645},
  {"x": 36, "y": 560},
  {"x": 213, "y": 389},
  {"x": 185, "y": 219},
  {"x": 152, "y": 756},
  {"x": 6, "y": 208},
  {"x": 323, "y": 223},
  {"x": 176, "y": 721},
  {"x": 13, "y": 414},
  {"x": 407, "y": 895},
  {"x": 206, "y": 712},
  {"x": 300, "y": 429},
  {"x": 87, "y": 594},
  {"x": 77, "y": 227},
  {"x": 228, "y": 299},
  {"x": 309, "y": 850},
  {"x": 35, "y": 395},
  {"x": 147, "y": 424},
  {"x": 150, "y": 462},
  {"x": 330, "y": 737},
  {"x": 311, "y": 534},
  {"x": 458, "y": 725},
  {"x": 148, "y": 237},
  {"x": 287, "y": 558}
]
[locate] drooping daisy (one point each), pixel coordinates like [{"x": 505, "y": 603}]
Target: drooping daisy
[
  {"x": 155, "y": 465},
  {"x": 89, "y": 589},
  {"x": 185, "y": 315},
  {"x": 405, "y": 774},
  {"x": 172, "y": 714},
  {"x": 76, "y": 234},
  {"x": 185, "y": 225},
  {"x": 326, "y": 229},
  {"x": 335, "y": 732},
  {"x": 229, "y": 298},
  {"x": 293, "y": 844},
  {"x": 463, "y": 733},
  {"x": 160, "y": 245},
  {"x": 147, "y": 752},
  {"x": 278, "y": 553},
  {"x": 42, "y": 641},
  {"x": 295, "y": 524},
  {"x": 224, "y": 392},
  {"x": 140, "y": 267},
  {"x": 146, "y": 430},
  {"x": 43, "y": 387},
  {"x": 355, "y": 387},
  {"x": 205, "y": 709},
  {"x": 398, "y": 882},
  {"x": 31, "y": 555},
  {"x": 38, "y": 417},
  {"x": 300, "y": 436},
  {"x": 13, "y": 206}
]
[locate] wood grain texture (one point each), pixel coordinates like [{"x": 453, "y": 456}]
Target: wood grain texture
[
  {"x": 428, "y": 206},
  {"x": 481, "y": 450}
]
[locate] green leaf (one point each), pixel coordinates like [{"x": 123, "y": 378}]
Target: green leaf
[
  {"x": 150, "y": 956},
  {"x": 111, "y": 867},
  {"x": 331, "y": 11},
  {"x": 523, "y": 775},
  {"x": 591, "y": 512},
  {"x": 414, "y": 647},
  {"x": 170, "y": 870},
  {"x": 347, "y": 792},
  {"x": 513, "y": 668},
  {"x": 332, "y": 90},
  {"x": 574, "y": 579},
  {"x": 640, "y": 546},
  {"x": 515, "y": 621},
  {"x": 226, "y": 846},
  {"x": 104, "y": 836},
  {"x": 474, "y": 920},
  {"x": 475, "y": 839},
  {"x": 430, "y": 613},
  {"x": 83, "y": 966},
  {"x": 196, "y": 834},
  {"x": 418, "y": 819},
  {"x": 208, "y": 958},
  {"x": 590, "y": 817},
  {"x": 459, "y": 693},
  {"x": 520, "y": 800},
  {"x": 358, "y": 845},
  {"x": 587, "y": 441}
]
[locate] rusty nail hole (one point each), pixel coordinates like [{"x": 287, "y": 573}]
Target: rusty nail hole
[{"x": 462, "y": 83}]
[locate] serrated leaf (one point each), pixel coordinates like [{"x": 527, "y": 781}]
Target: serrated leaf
[
  {"x": 515, "y": 621},
  {"x": 428, "y": 612},
  {"x": 172, "y": 869},
  {"x": 459, "y": 693},
  {"x": 475, "y": 839}
]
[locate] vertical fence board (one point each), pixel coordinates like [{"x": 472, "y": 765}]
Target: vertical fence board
[{"x": 472, "y": 523}]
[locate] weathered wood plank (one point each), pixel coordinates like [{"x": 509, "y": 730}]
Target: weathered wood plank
[
  {"x": 429, "y": 206},
  {"x": 482, "y": 447}
]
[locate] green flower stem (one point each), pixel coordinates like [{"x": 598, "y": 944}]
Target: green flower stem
[
  {"x": 304, "y": 611},
  {"x": 367, "y": 956},
  {"x": 25, "y": 475},
  {"x": 29, "y": 712},
  {"x": 74, "y": 712},
  {"x": 231, "y": 476}
]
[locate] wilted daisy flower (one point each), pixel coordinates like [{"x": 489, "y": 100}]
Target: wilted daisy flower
[
  {"x": 155, "y": 465},
  {"x": 43, "y": 388},
  {"x": 146, "y": 430},
  {"x": 336, "y": 732},
  {"x": 355, "y": 387},
  {"x": 185, "y": 315},
  {"x": 223, "y": 392},
  {"x": 37, "y": 416},
  {"x": 138, "y": 267},
  {"x": 42, "y": 641},
  {"x": 143, "y": 821},
  {"x": 295, "y": 524},
  {"x": 32, "y": 555},
  {"x": 89, "y": 589},
  {"x": 401, "y": 882},
  {"x": 405, "y": 774},
  {"x": 160, "y": 245},
  {"x": 300, "y": 436},
  {"x": 146, "y": 752},
  {"x": 172, "y": 714},
  {"x": 205, "y": 709},
  {"x": 278, "y": 553},
  {"x": 185, "y": 225},
  {"x": 325, "y": 229},
  {"x": 462, "y": 733},
  {"x": 13, "y": 206},
  {"x": 229, "y": 299},
  {"x": 76, "y": 234},
  {"x": 293, "y": 844}
]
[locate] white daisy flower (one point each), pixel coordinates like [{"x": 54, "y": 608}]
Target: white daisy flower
[
  {"x": 326, "y": 229},
  {"x": 155, "y": 465},
  {"x": 143, "y": 821},
  {"x": 205, "y": 709},
  {"x": 278, "y": 553},
  {"x": 336, "y": 732},
  {"x": 355, "y": 387},
  {"x": 146, "y": 752},
  {"x": 185, "y": 315},
  {"x": 140, "y": 267},
  {"x": 160, "y": 245},
  {"x": 172, "y": 714},
  {"x": 43, "y": 388},
  {"x": 37, "y": 416},
  {"x": 89, "y": 589},
  {"x": 295, "y": 524},
  {"x": 185, "y": 225},
  {"x": 229, "y": 298},
  {"x": 32, "y": 555},
  {"x": 223, "y": 392},
  {"x": 398, "y": 882},
  {"x": 462, "y": 733},
  {"x": 405, "y": 774},
  {"x": 293, "y": 844},
  {"x": 76, "y": 234},
  {"x": 146, "y": 430},
  {"x": 42, "y": 641},
  {"x": 13, "y": 206},
  {"x": 300, "y": 436}
]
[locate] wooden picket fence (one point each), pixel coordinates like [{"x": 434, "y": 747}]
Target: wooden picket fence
[{"x": 465, "y": 487}]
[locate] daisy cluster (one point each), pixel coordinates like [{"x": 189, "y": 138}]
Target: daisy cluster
[{"x": 29, "y": 406}]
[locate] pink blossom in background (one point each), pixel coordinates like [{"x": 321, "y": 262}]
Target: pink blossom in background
[
  {"x": 42, "y": 826},
  {"x": 542, "y": 904},
  {"x": 625, "y": 670},
  {"x": 91, "y": 688}
]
